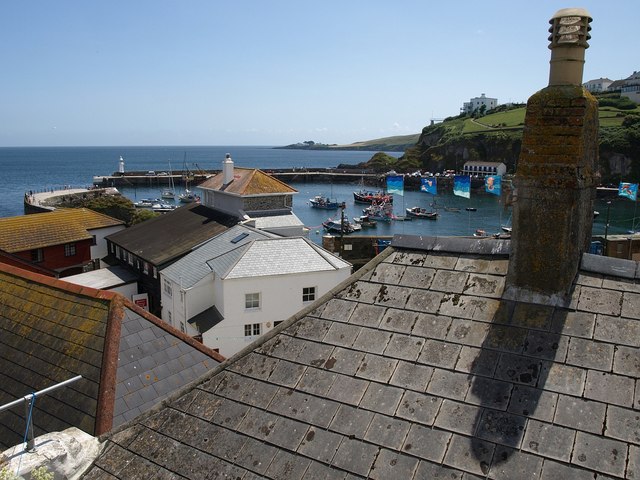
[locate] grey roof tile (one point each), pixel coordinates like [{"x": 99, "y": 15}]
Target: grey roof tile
[
  {"x": 509, "y": 464},
  {"x": 609, "y": 388},
  {"x": 627, "y": 361},
  {"x": 449, "y": 281},
  {"x": 391, "y": 464},
  {"x": 286, "y": 465},
  {"x": 563, "y": 378},
  {"x": 548, "y": 440},
  {"x": 477, "y": 361},
  {"x": 346, "y": 389},
  {"x": 623, "y": 424},
  {"x": 501, "y": 427},
  {"x": 597, "y": 300},
  {"x": 411, "y": 376},
  {"x": 600, "y": 454},
  {"x": 424, "y": 301},
  {"x": 580, "y": 414},
  {"x": 399, "y": 320},
  {"x": 453, "y": 385},
  {"x": 576, "y": 324},
  {"x": 468, "y": 332},
  {"x": 590, "y": 354},
  {"x": 417, "y": 277},
  {"x": 355, "y": 456},
  {"x": 319, "y": 382},
  {"x": 550, "y": 346},
  {"x": 553, "y": 470},
  {"x": 387, "y": 273},
  {"x": 367, "y": 315},
  {"x": 387, "y": 431},
  {"x": 320, "y": 444},
  {"x": 439, "y": 354},
  {"x": 344, "y": 361},
  {"x": 432, "y": 326},
  {"x": 376, "y": 368},
  {"x": 478, "y": 461},
  {"x": 418, "y": 407},
  {"x": 488, "y": 392},
  {"x": 617, "y": 330},
  {"x": 426, "y": 443},
  {"x": 427, "y": 470},
  {"x": 458, "y": 417},
  {"x": 256, "y": 456}
]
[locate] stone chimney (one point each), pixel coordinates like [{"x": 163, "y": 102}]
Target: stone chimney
[
  {"x": 227, "y": 170},
  {"x": 556, "y": 175}
]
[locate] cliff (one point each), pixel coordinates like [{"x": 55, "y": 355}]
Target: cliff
[{"x": 498, "y": 137}]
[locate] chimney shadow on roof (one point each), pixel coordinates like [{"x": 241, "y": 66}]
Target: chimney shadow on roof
[{"x": 515, "y": 378}]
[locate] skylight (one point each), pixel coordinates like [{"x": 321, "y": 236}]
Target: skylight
[{"x": 242, "y": 236}]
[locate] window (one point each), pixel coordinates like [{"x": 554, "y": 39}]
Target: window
[
  {"x": 37, "y": 255},
  {"x": 252, "y": 300},
  {"x": 69, "y": 249},
  {"x": 308, "y": 294},
  {"x": 252, "y": 329},
  {"x": 93, "y": 240},
  {"x": 155, "y": 272},
  {"x": 275, "y": 324},
  {"x": 167, "y": 287}
]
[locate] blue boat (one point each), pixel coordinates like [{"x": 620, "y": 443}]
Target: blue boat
[{"x": 324, "y": 203}]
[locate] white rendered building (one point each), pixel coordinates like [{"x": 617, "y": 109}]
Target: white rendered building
[
  {"x": 477, "y": 102},
  {"x": 242, "y": 283}
]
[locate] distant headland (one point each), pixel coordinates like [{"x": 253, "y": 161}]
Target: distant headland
[{"x": 387, "y": 144}]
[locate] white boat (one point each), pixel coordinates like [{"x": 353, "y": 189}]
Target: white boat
[
  {"x": 169, "y": 192},
  {"x": 188, "y": 197}
]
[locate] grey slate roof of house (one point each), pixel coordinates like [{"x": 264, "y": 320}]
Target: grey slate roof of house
[
  {"x": 193, "y": 267},
  {"x": 415, "y": 368}
]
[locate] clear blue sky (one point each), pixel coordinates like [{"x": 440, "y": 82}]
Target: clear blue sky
[{"x": 257, "y": 72}]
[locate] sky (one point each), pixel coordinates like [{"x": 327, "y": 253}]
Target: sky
[{"x": 257, "y": 72}]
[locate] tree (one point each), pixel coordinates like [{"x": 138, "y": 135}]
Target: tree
[{"x": 115, "y": 206}]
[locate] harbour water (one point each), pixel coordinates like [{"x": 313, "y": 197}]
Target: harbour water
[{"x": 37, "y": 169}]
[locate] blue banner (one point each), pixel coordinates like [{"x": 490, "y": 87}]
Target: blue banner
[
  {"x": 493, "y": 184},
  {"x": 429, "y": 185},
  {"x": 629, "y": 190},
  {"x": 462, "y": 186},
  {"x": 395, "y": 184}
]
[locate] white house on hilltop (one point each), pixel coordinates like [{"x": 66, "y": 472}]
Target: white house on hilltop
[
  {"x": 242, "y": 283},
  {"x": 478, "y": 102}
]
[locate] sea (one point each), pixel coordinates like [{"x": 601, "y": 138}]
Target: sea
[{"x": 37, "y": 169}]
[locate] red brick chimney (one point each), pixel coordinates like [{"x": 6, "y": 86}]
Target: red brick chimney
[{"x": 556, "y": 173}]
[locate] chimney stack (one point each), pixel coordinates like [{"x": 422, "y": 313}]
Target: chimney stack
[
  {"x": 556, "y": 175},
  {"x": 227, "y": 170}
]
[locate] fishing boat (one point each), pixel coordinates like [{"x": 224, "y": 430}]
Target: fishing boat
[
  {"x": 323, "y": 202},
  {"x": 163, "y": 207},
  {"x": 365, "y": 221},
  {"x": 382, "y": 211},
  {"x": 421, "y": 213},
  {"x": 335, "y": 226},
  {"x": 368, "y": 196}
]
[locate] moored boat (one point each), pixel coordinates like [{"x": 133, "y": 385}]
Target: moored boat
[
  {"x": 368, "y": 196},
  {"x": 419, "y": 212},
  {"x": 323, "y": 202},
  {"x": 365, "y": 222},
  {"x": 335, "y": 226},
  {"x": 188, "y": 197},
  {"x": 382, "y": 211}
]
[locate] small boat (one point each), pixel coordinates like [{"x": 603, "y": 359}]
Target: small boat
[
  {"x": 480, "y": 233},
  {"x": 188, "y": 197},
  {"x": 382, "y": 212},
  {"x": 163, "y": 207},
  {"x": 421, "y": 213},
  {"x": 365, "y": 222},
  {"x": 368, "y": 196},
  {"x": 168, "y": 192},
  {"x": 452, "y": 209},
  {"x": 146, "y": 202},
  {"x": 323, "y": 202},
  {"x": 471, "y": 209},
  {"x": 335, "y": 226},
  {"x": 506, "y": 229}
]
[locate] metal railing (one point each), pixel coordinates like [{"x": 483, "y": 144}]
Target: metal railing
[{"x": 29, "y": 401}]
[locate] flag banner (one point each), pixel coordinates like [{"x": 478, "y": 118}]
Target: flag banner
[
  {"x": 395, "y": 184},
  {"x": 629, "y": 190},
  {"x": 462, "y": 186},
  {"x": 493, "y": 184},
  {"x": 429, "y": 185}
]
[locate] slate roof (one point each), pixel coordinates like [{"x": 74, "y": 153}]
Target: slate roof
[
  {"x": 193, "y": 267},
  {"x": 169, "y": 236},
  {"x": 415, "y": 368},
  {"x": 52, "y": 330},
  {"x": 247, "y": 182},
  {"x": 282, "y": 256},
  {"x": 39, "y": 230}
]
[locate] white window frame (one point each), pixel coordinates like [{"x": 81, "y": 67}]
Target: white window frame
[
  {"x": 252, "y": 301},
  {"x": 166, "y": 286},
  {"x": 70, "y": 250},
  {"x": 252, "y": 329}
]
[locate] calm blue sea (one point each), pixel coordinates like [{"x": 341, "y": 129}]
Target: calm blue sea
[{"x": 27, "y": 168}]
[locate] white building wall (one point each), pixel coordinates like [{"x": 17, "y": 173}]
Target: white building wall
[
  {"x": 280, "y": 298},
  {"x": 182, "y": 304},
  {"x": 230, "y": 204},
  {"x": 99, "y": 250}
]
